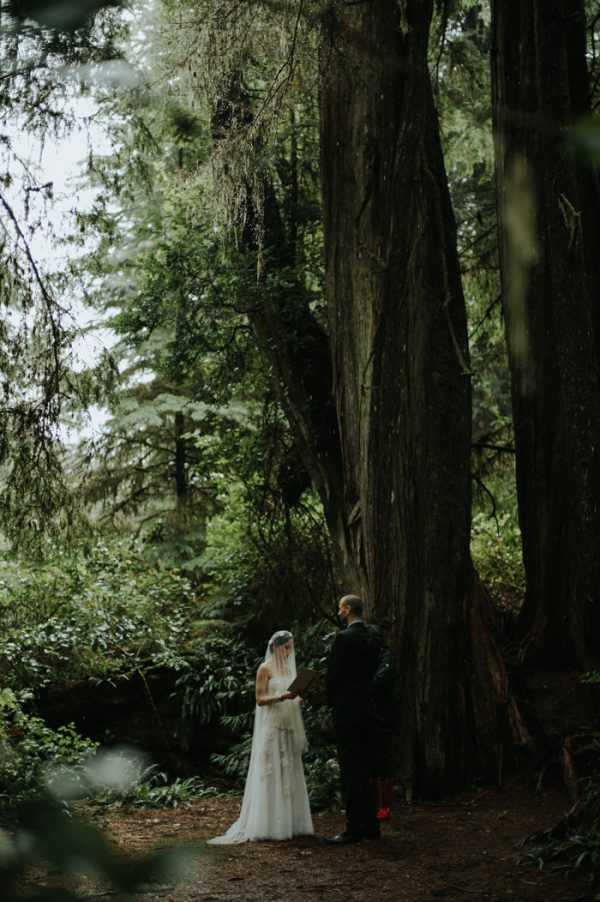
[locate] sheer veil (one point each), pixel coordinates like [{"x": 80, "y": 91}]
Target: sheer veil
[{"x": 280, "y": 656}]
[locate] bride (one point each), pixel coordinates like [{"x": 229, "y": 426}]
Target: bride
[{"x": 275, "y": 803}]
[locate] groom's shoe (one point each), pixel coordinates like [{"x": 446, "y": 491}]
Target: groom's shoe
[{"x": 343, "y": 838}]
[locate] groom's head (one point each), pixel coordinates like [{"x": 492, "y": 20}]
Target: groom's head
[{"x": 350, "y": 609}]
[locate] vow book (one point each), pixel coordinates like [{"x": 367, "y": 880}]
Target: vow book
[{"x": 304, "y": 681}]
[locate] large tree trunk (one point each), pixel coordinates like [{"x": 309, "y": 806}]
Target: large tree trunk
[
  {"x": 549, "y": 239},
  {"x": 400, "y": 359},
  {"x": 381, "y": 409}
]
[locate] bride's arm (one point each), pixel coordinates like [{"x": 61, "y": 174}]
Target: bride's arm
[{"x": 262, "y": 684}]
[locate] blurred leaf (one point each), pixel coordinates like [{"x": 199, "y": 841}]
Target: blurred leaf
[
  {"x": 47, "y": 836},
  {"x": 62, "y": 15}
]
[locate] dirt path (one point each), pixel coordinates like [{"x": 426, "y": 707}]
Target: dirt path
[{"x": 465, "y": 849}]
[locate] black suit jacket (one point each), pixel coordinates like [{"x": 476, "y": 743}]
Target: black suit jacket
[{"x": 350, "y": 669}]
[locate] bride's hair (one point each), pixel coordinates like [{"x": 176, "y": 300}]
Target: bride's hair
[{"x": 279, "y": 638}]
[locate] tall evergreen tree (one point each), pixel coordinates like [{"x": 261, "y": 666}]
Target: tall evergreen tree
[
  {"x": 378, "y": 393},
  {"x": 400, "y": 358},
  {"x": 549, "y": 211}
]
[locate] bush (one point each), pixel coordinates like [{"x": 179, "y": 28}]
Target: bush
[
  {"x": 497, "y": 557},
  {"x": 216, "y": 681},
  {"x": 47, "y": 836},
  {"x": 29, "y": 749},
  {"x": 263, "y": 561},
  {"x": 89, "y": 615},
  {"x": 572, "y": 846},
  {"x": 323, "y": 782},
  {"x": 321, "y": 767},
  {"x": 154, "y": 790}
]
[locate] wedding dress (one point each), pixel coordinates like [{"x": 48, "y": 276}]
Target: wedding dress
[{"x": 275, "y": 803}]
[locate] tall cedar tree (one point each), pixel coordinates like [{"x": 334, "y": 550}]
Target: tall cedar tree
[
  {"x": 382, "y": 411},
  {"x": 540, "y": 87},
  {"x": 400, "y": 358}
]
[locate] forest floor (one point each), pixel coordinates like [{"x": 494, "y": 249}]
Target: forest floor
[{"x": 466, "y": 848}]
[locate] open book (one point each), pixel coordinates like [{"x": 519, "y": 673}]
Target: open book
[{"x": 305, "y": 680}]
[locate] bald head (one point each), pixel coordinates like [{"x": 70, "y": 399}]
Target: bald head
[
  {"x": 354, "y": 603},
  {"x": 350, "y": 608}
]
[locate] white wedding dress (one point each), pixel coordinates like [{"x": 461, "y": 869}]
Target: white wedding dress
[{"x": 275, "y": 803}]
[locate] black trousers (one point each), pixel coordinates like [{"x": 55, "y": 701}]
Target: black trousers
[
  {"x": 382, "y": 744},
  {"x": 355, "y": 756}
]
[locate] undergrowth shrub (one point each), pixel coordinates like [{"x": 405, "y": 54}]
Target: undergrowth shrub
[
  {"x": 38, "y": 763},
  {"x": 497, "y": 557},
  {"x": 320, "y": 761},
  {"x": 154, "y": 789},
  {"x": 89, "y": 615},
  {"x": 45, "y": 834},
  {"x": 216, "y": 681},
  {"x": 572, "y": 845},
  {"x": 29, "y": 749},
  {"x": 263, "y": 557}
]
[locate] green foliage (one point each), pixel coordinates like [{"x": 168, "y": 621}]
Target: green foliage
[
  {"x": 216, "y": 680},
  {"x": 572, "y": 846},
  {"x": 38, "y": 63},
  {"x": 216, "y": 684},
  {"x": 497, "y": 556},
  {"x": 322, "y": 774},
  {"x": 154, "y": 790},
  {"x": 180, "y": 292},
  {"x": 234, "y": 762},
  {"x": 38, "y": 334},
  {"x": 41, "y": 772},
  {"x": 181, "y": 319},
  {"x": 320, "y": 762},
  {"x": 267, "y": 562},
  {"x": 29, "y": 749},
  {"x": 36, "y": 760},
  {"x": 90, "y": 615}
]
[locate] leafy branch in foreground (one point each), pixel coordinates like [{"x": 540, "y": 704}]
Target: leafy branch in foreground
[{"x": 72, "y": 848}]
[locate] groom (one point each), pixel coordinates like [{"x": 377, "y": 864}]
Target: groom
[{"x": 350, "y": 669}]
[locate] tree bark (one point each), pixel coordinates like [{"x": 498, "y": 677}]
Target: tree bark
[
  {"x": 549, "y": 239},
  {"x": 401, "y": 367}
]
